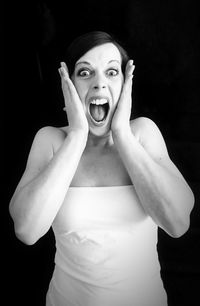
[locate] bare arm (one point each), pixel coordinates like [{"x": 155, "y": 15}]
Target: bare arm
[
  {"x": 162, "y": 190},
  {"x": 42, "y": 189}
]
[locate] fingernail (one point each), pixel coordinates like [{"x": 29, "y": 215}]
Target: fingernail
[{"x": 131, "y": 62}]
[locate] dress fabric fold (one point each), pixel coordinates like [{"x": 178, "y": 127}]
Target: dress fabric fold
[{"x": 106, "y": 251}]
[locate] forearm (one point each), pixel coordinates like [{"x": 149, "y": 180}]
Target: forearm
[
  {"x": 164, "y": 196},
  {"x": 36, "y": 204}
]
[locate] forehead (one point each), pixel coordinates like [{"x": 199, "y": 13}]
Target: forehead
[{"x": 102, "y": 54}]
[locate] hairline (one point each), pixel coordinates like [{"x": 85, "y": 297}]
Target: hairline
[
  {"x": 107, "y": 39},
  {"x": 88, "y": 63}
]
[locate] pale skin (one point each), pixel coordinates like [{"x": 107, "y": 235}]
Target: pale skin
[{"x": 119, "y": 152}]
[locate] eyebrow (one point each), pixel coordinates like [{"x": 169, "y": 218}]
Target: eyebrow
[
  {"x": 114, "y": 61},
  {"x": 84, "y": 62},
  {"x": 87, "y": 63}
]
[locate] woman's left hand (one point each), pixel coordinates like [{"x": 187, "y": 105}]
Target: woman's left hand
[{"x": 121, "y": 117}]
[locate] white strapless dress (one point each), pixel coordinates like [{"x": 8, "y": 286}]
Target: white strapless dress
[{"x": 106, "y": 251}]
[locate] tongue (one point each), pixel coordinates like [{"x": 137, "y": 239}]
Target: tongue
[{"x": 97, "y": 112}]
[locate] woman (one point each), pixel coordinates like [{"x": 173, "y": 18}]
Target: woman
[{"x": 104, "y": 183}]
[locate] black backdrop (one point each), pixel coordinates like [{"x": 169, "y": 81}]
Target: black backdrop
[{"x": 163, "y": 39}]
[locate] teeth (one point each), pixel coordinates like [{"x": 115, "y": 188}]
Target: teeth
[{"x": 99, "y": 101}]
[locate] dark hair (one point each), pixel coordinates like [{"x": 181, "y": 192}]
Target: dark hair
[{"x": 85, "y": 42}]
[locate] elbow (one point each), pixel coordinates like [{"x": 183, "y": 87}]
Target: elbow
[
  {"x": 21, "y": 234},
  {"x": 179, "y": 227},
  {"x": 179, "y": 231},
  {"x": 25, "y": 237},
  {"x": 29, "y": 235},
  {"x": 26, "y": 234},
  {"x": 181, "y": 223},
  {"x": 23, "y": 231}
]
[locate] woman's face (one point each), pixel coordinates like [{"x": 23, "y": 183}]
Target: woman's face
[{"x": 98, "y": 79}]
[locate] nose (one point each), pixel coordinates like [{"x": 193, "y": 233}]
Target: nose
[{"x": 99, "y": 82}]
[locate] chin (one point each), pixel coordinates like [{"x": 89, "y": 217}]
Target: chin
[{"x": 100, "y": 131}]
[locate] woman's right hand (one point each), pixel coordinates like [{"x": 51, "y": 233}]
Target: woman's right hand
[{"x": 73, "y": 105}]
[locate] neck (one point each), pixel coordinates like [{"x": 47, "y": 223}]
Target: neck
[{"x": 100, "y": 142}]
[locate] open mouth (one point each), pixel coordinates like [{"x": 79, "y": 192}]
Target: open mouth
[{"x": 98, "y": 110}]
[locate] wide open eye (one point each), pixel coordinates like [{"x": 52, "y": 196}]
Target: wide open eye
[
  {"x": 112, "y": 72},
  {"x": 84, "y": 72}
]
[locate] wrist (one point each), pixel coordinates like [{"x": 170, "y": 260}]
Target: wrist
[
  {"x": 79, "y": 134},
  {"x": 122, "y": 132}
]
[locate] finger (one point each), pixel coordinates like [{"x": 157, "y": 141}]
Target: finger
[
  {"x": 132, "y": 70},
  {"x": 65, "y": 77},
  {"x": 127, "y": 87},
  {"x": 63, "y": 64},
  {"x": 63, "y": 70},
  {"x": 71, "y": 90},
  {"x": 129, "y": 68},
  {"x": 64, "y": 73},
  {"x": 129, "y": 80}
]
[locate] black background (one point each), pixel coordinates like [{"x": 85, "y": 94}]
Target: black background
[{"x": 163, "y": 39}]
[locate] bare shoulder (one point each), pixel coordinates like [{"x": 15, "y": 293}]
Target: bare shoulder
[
  {"x": 51, "y": 133},
  {"x": 143, "y": 126},
  {"x": 50, "y": 136},
  {"x": 46, "y": 142},
  {"x": 149, "y": 135},
  {"x": 142, "y": 122}
]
